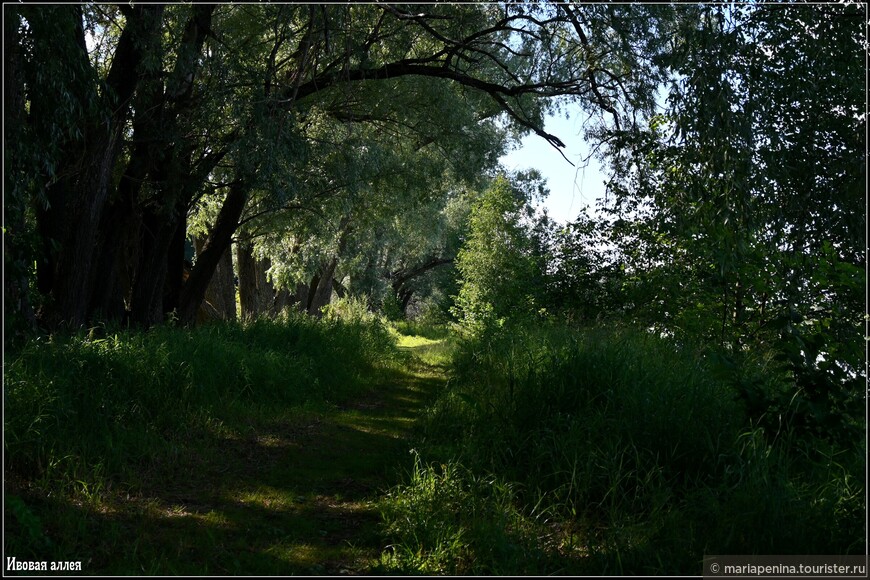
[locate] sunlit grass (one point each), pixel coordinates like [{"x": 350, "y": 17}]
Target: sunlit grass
[{"x": 209, "y": 448}]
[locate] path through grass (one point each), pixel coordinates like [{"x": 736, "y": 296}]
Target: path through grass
[{"x": 294, "y": 493}]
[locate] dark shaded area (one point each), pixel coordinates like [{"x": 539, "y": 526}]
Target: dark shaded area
[{"x": 290, "y": 495}]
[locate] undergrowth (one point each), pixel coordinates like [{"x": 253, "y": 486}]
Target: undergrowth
[
  {"x": 94, "y": 411},
  {"x": 632, "y": 454}
]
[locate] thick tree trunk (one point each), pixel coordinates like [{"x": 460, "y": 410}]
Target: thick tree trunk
[
  {"x": 249, "y": 294},
  {"x": 339, "y": 289},
  {"x": 121, "y": 225},
  {"x": 146, "y": 304},
  {"x": 15, "y": 255},
  {"x": 152, "y": 258},
  {"x": 300, "y": 297},
  {"x": 115, "y": 266},
  {"x": 257, "y": 294},
  {"x": 217, "y": 242},
  {"x": 312, "y": 290},
  {"x": 323, "y": 291},
  {"x": 282, "y": 300},
  {"x": 73, "y": 276},
  {"x": 404, "y": 299},
  {"x": 221, "y": 291},
  {"x": 175, "y": 263}
]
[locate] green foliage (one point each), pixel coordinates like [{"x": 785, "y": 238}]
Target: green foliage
[
  {"x": 446, "y": 520},
  {"x": 733, "y": 214},
  {"x": 644, "y": 453},
  {"x": 498, "y": 272},
  {"x": 83, "y": 411}
]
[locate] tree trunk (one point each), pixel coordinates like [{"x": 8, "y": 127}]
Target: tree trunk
[
  {"x": 282, "y": 300},
  {"x": 339, "y": 289},
  {"x": 15, "y": 265},
  {"x": 300, "y": 297},
  {"x": 404, "y": 300},
  {"x": 312, "y": 290},
  {"x": 249, "y": 295},
  {"x": 90, "y": 189},
  {"x": 217, "y": 242},
  {"x": 221, "y": 291},
  {"x": 146, "y": 304},
  {"x": 115, "y": 267},
  {"x": 256, "y": 294},
  {"x": 175, "y": 262},
  {"x": 323, "y": 291},
  {"x": 161, "y": 156},
  {"x": 120, "y": 230}
]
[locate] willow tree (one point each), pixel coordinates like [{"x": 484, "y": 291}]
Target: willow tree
[
  {"x": 185, "y": 101},
  {"x": 743, "y": 200}
]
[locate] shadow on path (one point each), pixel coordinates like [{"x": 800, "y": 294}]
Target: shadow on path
[{"x": 295, "y": 494}]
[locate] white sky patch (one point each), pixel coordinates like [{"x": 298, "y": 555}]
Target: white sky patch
[{"x": 571, "y": 188}]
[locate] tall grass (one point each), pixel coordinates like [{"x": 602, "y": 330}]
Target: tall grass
[
  {"x": 447, "y": 520},
  {"x": 84, "y": 412},
  {"x": 639, "y": 453}
]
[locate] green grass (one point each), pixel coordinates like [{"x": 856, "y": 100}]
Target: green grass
[
  {"x": 446, "y": 520},
  {"x": 228, "y": 449},
  {"x": 634, "y": 455},
  {"x": 284, "y": 447}
]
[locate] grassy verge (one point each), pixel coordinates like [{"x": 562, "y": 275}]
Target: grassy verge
[
  {"x": 227, "y": 449},
  {"x": 609, "y": 451}
]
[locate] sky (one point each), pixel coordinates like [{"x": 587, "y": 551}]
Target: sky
[{"x": 571, "y": 188}]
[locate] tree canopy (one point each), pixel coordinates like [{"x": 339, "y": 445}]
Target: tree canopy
[
  {"x": 130, "y": 125},
  {"x": 354, "y": 150}
]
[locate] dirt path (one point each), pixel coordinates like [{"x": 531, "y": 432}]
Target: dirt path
[{"x": 294, "y": 495}]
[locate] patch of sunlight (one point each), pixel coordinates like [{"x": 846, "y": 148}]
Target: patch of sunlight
[
  {"x": 416, "y": 341},
  {"x": 372, "y": 426},
  {"x": 265, "y": 496},
  {"x": 299, "y": 554},
  {"x": 344, "y": 507},
  {"x": 177, "y": 511},
  {"x": 273, "y": 441},
  {"x": 214, "y": 518}
]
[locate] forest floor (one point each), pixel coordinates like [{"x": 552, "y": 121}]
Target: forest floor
[{"x": 296, "y": 494}]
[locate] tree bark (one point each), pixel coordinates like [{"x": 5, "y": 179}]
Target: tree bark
[
  {"x": 404, "y": 299},
  {"x": 300, "y": 297},
  {"x": 323, "y": 290},
  {"x": 221, "y": 291},
  {"x": 249, "y": 295},
  {"x": 147, "y": 302},
  {"x": 283, "y": 299},
  {"x": 217, "y": 242},
  {"x": 90, "y": 189},
  {"x": 256, "y": 294},
  {"x": 120, "y": 231}
]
